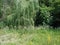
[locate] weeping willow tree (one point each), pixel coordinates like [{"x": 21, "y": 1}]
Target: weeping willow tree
[{"x": 19, "y": 12}]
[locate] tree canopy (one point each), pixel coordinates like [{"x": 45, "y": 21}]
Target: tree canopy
[{"x": 29, "y": 12}]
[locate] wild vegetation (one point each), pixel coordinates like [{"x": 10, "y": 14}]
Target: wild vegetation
[
  {"x": 36, "y": 36},
  {"x": 14, "y": 13},
  {"x": 29, "y": 22}
]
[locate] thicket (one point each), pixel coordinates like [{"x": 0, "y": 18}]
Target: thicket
[{"x": 29, "y": 12}]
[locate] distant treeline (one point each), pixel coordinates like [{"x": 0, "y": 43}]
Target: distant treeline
[{"x": 29, "y": 13}]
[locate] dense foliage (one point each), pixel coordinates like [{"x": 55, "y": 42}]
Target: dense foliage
[{"x": 29, "y": 12}]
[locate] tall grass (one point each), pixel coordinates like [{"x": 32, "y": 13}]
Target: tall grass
[{"x": 36, "y": 36}]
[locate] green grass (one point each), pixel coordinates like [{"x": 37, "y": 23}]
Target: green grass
[{"x": 30, "y": 36}]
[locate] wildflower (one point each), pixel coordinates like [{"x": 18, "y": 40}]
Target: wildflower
[{"x": 49, "y": 39}]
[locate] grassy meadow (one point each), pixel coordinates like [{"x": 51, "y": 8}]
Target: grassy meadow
[{"x": 30, "y": 36}]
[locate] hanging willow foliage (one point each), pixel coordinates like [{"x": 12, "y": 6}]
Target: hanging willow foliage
[{"x": 20, "y": 12}]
